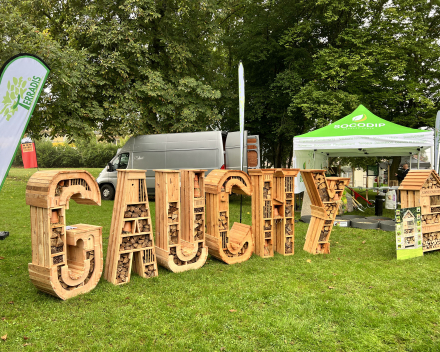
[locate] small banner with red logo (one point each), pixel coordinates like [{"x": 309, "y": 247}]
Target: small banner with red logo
[{"x": 28, "y": 154}]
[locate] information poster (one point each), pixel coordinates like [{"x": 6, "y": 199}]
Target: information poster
[{"x": 408, "y": 233}]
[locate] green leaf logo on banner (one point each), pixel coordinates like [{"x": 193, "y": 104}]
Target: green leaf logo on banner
[
  {"x": 11, "y": 100},
  {"x": 359, "y": 118}
]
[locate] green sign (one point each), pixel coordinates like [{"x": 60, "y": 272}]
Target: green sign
[{"x": 373, "y": 170}]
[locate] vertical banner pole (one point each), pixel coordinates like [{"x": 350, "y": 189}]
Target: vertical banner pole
[
  {"x": 436, "y": 142},
  {"x": 241, "y": 108}
]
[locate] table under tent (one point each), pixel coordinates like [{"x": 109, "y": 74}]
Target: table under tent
[{"x": 359, "y": 134}]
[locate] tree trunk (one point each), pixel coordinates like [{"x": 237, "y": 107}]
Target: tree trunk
[
  {"x": 289, "y": 162},
  {"x": 330, "y": 162},
  {"x": 278, "y": 154},
  {"x": 394, "y": 167}
]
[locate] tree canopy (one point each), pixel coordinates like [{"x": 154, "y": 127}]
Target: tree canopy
[{"x": 157, "y": 66}]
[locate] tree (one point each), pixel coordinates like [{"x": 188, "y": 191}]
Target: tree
[
  {"x": 137, "y": 66},
  {"x": 310, "y": 63}
]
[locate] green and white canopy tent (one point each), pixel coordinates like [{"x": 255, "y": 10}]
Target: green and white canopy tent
[{"x": 359, "y": 134}]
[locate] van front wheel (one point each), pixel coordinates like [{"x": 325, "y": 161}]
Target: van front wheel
[{"x": 107, "y": 192}]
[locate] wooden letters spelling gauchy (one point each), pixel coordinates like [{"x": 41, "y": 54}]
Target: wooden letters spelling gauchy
[{"x": 65, "y": 263}]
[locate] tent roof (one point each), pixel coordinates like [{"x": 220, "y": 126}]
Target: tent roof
[
  {"x": 360, "y": 122},
  {"x": 364, "y": 134}
]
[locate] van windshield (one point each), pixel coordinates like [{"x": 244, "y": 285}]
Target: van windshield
[{"x": 121, "y": 161}]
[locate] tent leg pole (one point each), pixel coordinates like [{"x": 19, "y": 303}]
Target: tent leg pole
[
  {"x": 418, "y": 161},
  {"x": 352, "y": 176},
  {"x": 366, "y": 193},
  {"x": 388, "y": 180}
]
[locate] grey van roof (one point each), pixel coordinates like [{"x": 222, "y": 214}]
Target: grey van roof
[{"x": 173, "y": 141}]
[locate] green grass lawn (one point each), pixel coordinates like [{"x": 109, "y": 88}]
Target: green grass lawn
[{"x": 357, "y": 298}]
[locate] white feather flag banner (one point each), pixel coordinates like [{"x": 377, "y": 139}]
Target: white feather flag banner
[
  {"x": 241, "y": 101},
  {"x": 21, "y": 82}
]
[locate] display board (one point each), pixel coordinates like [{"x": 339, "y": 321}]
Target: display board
[{"x": 409, "y": 233}]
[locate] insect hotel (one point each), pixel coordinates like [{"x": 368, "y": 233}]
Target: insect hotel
[
  {"x": 273, "y": 211},
  {"x": 131, "y": 243},
  {"x": 325, "y": 195},
  {"x": 180, "y": 219},
  {"x": 66, "y": 261},
  {"x": 233, "y": 245},
  {"x": 421, "y": 188}
]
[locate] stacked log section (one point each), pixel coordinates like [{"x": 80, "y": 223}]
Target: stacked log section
[
  {"x": 173, "y": 213},
  {"x": 199, "y": 228},
  {"x": 136, "y": 211},
  {"x": 131, "y": 246},
  {"x": 150, "y": 271},
  {"x": 135, "y": 242},
  {"x": 430, "y": 219},
  {"x": 321, "y": 186},
  {"x": 180, "y": 219},
  {"x": 56, "y": 241},
  {"x": 123, "y": 268},
  {"x": 431, "y": 183},
  {"x": 173, "y": 234},
  {"x": 229, "y": 245},
  {"x": 61, "y": 259},
  {"x": 223, "y": 221},
  {"x": 421, "y": 188}
]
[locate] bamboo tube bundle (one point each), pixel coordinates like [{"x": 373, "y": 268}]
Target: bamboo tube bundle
[{"x": 431, "y": 240}]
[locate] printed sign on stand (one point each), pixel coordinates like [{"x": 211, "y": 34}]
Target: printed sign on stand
[{"x": 408, "y": 233}]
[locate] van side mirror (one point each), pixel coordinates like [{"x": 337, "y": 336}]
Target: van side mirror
[{"x": 109, "y": 167}]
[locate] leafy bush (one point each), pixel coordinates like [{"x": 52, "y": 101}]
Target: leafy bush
[
  {"x": 96, "y": 154},
  {"x": 82, "y": 154}
]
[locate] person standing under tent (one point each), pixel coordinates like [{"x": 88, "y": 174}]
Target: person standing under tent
[{"x": 403, "y": 173}]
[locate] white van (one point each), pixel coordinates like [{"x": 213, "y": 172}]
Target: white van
[{"x": 197, "y": 150}]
